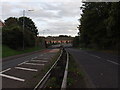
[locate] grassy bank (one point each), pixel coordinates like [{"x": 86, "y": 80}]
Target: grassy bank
[
  {"x": 76, "y": 77},
  {"x": 6, "y": 51}
]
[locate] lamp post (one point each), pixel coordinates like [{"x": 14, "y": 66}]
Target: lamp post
[{"x": 24, "y": 25}]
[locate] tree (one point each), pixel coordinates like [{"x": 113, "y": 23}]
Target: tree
[
  {"x": 13, "y": 34},
  {"x": 12, "y": 37},
  {"x": 76, "y": 41},
  {"x": 11, "y": 21},
  {"x": 29, "y": 25},
  {"x": 99, "y": 24},
  {"x": 112, "y": 25},
  {"x": 63, "y": 36}
]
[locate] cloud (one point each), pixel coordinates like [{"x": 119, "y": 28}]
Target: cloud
[{"x": 57, "y": 16}]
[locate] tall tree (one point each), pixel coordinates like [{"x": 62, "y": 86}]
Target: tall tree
[
  {"x": 11, "y": 21},
  {"x": 99, "y": 23},
  {"x": 29, "y": 25},
  {"x": 13, "y": 35},
  {"x": 112, "y": 25}
]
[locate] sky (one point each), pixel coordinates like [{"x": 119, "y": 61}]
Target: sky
[{"x": 51, "y": 17}]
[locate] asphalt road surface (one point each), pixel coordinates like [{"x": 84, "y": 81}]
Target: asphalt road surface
[
  {"x": 25, "y": 71},
  {"x": 102, "y": 68}
]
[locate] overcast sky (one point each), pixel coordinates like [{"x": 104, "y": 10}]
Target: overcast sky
[{"x": 52, "y": 17}]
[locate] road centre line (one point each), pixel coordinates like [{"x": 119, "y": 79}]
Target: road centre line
[
  {"x": 5, "y": 70},
  {"x": 12, "y": 77},
  {"x": 113, "y": 62},
  {"x": 95, "y": 56},
  {"x": 34, "y": 64},
  {"x": 105, "y": 59},
  {"x": 28, "y": 69},
  {"x": 92, "y": 55},
  {"x": 39, "y": 60}
]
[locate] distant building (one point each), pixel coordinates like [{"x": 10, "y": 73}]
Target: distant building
[{"x": 59, "y": 40}]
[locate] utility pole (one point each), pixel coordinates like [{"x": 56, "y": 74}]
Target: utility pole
[{"x": 23, "y": 26}]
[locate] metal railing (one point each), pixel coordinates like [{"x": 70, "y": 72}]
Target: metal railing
[{"x": 47, "y": 75}]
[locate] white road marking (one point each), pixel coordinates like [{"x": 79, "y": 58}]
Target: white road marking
[
  {"x": 28, "y": 69},
  {"x": 35, "y": 64},
  {"x": 39, "y": 60},
  {"x": 106, "y": 60},
  {"x": 95, "y": 56},
  {"x": 12, "y": 77},
  {"x": 113, "y": 62},
  {"x": 5, "y": 70},
  {"x": 34, "y": 58},
  {"x": 22, "y": 63}
]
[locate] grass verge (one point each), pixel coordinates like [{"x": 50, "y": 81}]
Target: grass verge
[
  {"x": 6, "y": 51},
  {"x": 57, "y": 74},
  {"x": 75, "y": 77}
]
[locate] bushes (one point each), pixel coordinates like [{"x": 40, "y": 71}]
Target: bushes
[
  {"x": 76, "y": 41},
  {"x": 13, "y": 35},
  {"x": 14, "y": 38},
  {"x": 99, "y": 25}
]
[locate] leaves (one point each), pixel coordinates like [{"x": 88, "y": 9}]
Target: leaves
[
  {"x": 99, "y": 25},
  {"x": 13, "y": 35}
]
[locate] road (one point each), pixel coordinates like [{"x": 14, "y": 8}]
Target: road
[
  {"x": 25, "y": 71},
  {"x": 102, "y": 68}
]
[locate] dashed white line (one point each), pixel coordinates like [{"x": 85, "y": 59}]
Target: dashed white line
[
  {"x": 12, "y": 77},
  {"x": 103, "y": 58},
  {"x": 113, "y": 62},
  {"x": 95, "y": 56},
  {"x": 92, "y": 55},
  {"x": 5, "y": 70},
  {"x": 34, "y": 64},
  {"x": 28, "y": 69},
  {"x": 39, "y": 60}
]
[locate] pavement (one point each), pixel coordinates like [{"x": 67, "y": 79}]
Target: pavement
[
  {"x": 25, "y": 71},
  {"x": 101, "y": 68}
]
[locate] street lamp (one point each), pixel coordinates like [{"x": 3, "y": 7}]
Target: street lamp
[{"x": 24, "y": 24}]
